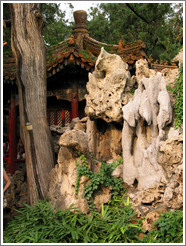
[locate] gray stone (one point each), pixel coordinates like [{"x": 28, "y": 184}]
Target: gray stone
[{"x": 145, "y": 119}]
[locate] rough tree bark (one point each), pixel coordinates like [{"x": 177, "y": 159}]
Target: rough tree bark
[{"x": 29, "y": 50}]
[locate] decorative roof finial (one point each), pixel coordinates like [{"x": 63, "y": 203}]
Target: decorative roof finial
[{"x": 80, "y": 17}]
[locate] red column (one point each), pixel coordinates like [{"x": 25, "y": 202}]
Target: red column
[
  {"x": 63, "y": 117},
  {"x": 12, "y": 166},
  {"x": 74, "y": 105}
]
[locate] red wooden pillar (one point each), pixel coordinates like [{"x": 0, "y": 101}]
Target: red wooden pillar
[
  {"x": 12, "y": 166},
  {"x": 63, "y": 117},
  {"x": 74, "y": 105}
]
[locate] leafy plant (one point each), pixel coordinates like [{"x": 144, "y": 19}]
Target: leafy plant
[
  {"x": 168, "y": 229},
  {"x": 102, "y": 178},
  {"x": 177, "y": 91},
  {"x": 163, "y": 35},
  {"x": 42, "y": 224}
]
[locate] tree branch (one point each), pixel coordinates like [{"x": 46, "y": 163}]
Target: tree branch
[{"x": 141, "y": 17}]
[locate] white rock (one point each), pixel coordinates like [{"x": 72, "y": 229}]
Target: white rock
[
  {"x": 145, "y": 120},
  {"x": 106, "y": 88}
]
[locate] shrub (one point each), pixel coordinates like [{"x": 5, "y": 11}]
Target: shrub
[
  {"x": 97, "y": 180},
  {"x": 177, "y": 91},
  {"x": 168, "y": 229},
  {"x": 42, "y": 224}
]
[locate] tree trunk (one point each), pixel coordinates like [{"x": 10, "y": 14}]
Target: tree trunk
[{"x": 29, "y": 50}]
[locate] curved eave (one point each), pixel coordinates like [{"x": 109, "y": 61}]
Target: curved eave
[{"x": 94, "y": 46}]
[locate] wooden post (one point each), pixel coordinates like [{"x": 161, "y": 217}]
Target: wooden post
[
  {"x": 12, "y": 166},
  {"x": 63, "y": 117},
  {"x": 74, "y": 105}
]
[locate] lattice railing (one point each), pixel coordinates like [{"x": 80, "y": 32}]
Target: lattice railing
[{"x": 57, "y": 117}]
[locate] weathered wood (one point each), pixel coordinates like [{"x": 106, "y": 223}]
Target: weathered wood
[{"x": 29, "y": 50}]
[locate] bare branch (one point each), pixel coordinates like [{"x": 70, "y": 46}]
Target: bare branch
[{"x": 141, "y": 17}]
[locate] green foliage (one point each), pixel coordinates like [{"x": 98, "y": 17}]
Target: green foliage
[
  {"x": 168, "y": 229},
  {"x": 56, "y": 28},
  {"x": 177, "y": 91},
  {"x": 98, "y": 180},
  {"x": 116, "y": 223},
  {"x": 42, "y": 224},
  {"x": 162, "y": 30}
]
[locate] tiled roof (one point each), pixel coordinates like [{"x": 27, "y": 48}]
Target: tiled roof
[{"x": 80, "y": 49}]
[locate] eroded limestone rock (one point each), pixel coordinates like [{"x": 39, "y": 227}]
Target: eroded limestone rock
[
  {"x": 62, "y": 178},
  {"x": 169, "y": 192},
  {"x": 145, "y": 120},
  {"x": 81, "y": 124},
  {"x": 106, "y": 88},
  {"x": 170, "y": 75},
  {"x": 143, "y": 70},
  {"x": 179, "y": 58},
  {"x": 104, "y": 140},
  {"x": 57, "y": 131},
  {"x": 151, "y": 217}
]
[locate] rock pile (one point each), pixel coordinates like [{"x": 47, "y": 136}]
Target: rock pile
[
  {"x": 152, "y": 150},
  {"x": 63, "y": 177}
]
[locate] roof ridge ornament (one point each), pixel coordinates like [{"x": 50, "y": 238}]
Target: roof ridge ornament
[{"x": 80, "y": 17}]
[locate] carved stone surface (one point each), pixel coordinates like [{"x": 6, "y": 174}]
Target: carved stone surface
[
  {"x": 145, "y": 120},
  {"x": 106, "y": 88}
]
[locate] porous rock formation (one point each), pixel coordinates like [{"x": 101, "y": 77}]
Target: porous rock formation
[
  {"x": 57, "y": 131},
  {"x": 145, "y": 120},
  {"x": 152, "y": 149},
  {"x": 155, "y": 150},
  {"x": 62, "y": 178},
  {"x": 106, "y": 88},
  {"x": 179, "y": 58},
  {"x": 143, "y": 70},
  {"x": 104, "y": 140}
]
